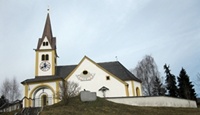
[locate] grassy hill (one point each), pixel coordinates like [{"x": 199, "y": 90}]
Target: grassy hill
[{"x": 104, "y": 107}]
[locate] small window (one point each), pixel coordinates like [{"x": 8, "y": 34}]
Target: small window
[
  {"x": 47, "y": 57},
  {"x": 44, "y": 43},
  {"x": 107, "y": 77},
  {"x": 43, "y": 57},
  {"x": 85, "y": 72}
]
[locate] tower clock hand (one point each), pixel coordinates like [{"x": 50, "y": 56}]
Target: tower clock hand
[
  {"x": 41, "y": 67},
  {"x": 45, "y": 65}
]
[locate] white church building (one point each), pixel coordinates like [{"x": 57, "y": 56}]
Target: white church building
[{"x": 90, "y": 75}]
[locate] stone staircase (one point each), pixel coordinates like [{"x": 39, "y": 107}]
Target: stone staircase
[{"x": 30, "y": 111}]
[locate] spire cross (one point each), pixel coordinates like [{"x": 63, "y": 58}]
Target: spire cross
[
  {"x": 48, "y": 9},
  {"x": 116, "y": 58}
]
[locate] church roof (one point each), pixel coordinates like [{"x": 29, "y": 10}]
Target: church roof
[
  {"x": 41, "y": 79},
  {"x": 48, "y": 33},
  {"x": 115, "y": 68},
  {"x": 64, "y": 71},
  {"x": 47, "y": 29}
]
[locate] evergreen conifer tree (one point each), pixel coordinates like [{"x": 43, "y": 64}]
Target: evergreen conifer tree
[
  {"x": 185, "y": 87},
  {"x": 170, "y": 82},
  {"x": 158, "y": 87},
  {"x": 2, "y": 100}
]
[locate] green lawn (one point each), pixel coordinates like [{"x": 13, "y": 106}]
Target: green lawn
[{"x": 104, "y": 107}]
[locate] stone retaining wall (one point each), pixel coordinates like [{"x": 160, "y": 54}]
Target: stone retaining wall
[{"x": 156, "y": 101}]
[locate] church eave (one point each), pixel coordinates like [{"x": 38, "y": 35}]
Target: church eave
[
  {"x": 44, "y": 49},
  {"x": 41, "y": 79}
]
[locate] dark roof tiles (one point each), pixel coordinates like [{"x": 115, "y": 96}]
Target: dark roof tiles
[
  {"x": 64, "y": 71},
  {"x": 41, "y": 79},
  {"x": 117, "y": 69}
]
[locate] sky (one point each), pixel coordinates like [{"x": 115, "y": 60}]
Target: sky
[{"x": 168, "y": 30}]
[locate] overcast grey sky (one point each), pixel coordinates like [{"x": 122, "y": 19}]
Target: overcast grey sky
[{"x": 169, "y": 30}]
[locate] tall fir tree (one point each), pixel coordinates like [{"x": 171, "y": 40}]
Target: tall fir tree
[
  {"x": 158, "y": 88},
  {"x": 185, "y": 87},
  {"x": 170, "y": 82}
]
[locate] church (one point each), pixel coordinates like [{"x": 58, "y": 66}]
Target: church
[{"x": 88, "y": 74}]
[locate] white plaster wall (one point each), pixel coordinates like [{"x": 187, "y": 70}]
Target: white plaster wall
[
  {"x": 45, "y": 47},
  {"x": 38, "y": 94},
  {"x": 116, "y": 88},
  {"x": 130, "y": 89},
  {"x": 43, "y": 73},
  {"x": 160, "y": 101},
  {"x": 32, "y": 86},
  {"x": 137, "y": 84}
]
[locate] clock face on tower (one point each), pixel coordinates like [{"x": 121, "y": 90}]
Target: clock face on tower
[{"x": 45, "y": 66}]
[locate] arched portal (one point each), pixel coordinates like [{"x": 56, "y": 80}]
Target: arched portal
[
  {"x": 42, "y": 96},
  {"x": 137, "y": 91}
]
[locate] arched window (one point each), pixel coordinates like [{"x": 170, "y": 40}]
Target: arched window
[
  {"x": 47, "y": 57},
  {"x": 137, "y": 91},
  {"x": 43, "y": 57},
  {"x": 46, "y": 44},
  {"x": 43, "y": 43}
]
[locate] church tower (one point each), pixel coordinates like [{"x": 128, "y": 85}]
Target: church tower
[{"x": 46, "y": 55}]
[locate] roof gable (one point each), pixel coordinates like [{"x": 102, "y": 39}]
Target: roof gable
[
  {"x": 45, "y": 44},
  {"x": 95, "y": 64}
]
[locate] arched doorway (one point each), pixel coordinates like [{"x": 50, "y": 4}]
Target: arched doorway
[
  {"x": 44, "y": 100},
  {"x": 42, "y": 96},
  {"x": 137, "y": 91}
]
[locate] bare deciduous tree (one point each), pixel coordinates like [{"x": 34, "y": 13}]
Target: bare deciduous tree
[
  {"x": 5, "y": 88},
  {"x": 15, "y": 89},
  {"x": 67, "y": 90},
  {"x": 10, "y": 89},
  {"x": 147, "y": 71}
]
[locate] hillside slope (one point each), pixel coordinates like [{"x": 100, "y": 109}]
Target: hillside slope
[{"x": 104, "y": 107}]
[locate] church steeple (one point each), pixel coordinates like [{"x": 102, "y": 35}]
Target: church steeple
[
  {"x": 47, "y": 29},
  {"x": 47, "y": 33},
  {"x": 46, "y": 54}
]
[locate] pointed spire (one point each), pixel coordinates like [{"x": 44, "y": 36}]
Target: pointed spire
[
  {"x": 47, "y": 33},
  {"x": 47, "y": 28}
]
